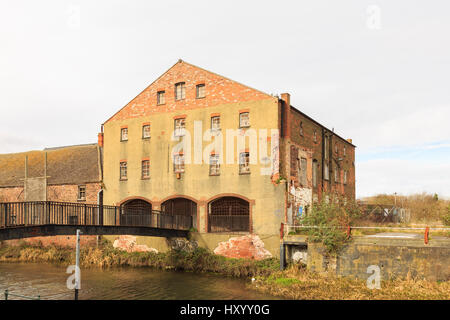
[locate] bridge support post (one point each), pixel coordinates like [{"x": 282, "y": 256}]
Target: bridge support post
[{"x": 77, "y": 263}]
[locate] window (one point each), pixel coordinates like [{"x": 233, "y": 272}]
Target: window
[
  {"x": 336, "y": 148},
  {"x": 302, "y": 177},
  {"x": 145, "y": 131},
  {"x": 180, "y": 126},
  {"x": 326, "y": 147},
  {"x": 345, "y": 151},
  {"x": 326, "y": 172},
  {"x": 314, "y": 173},
  {"x": 82, "y": 193},
  {"x": 336, "y": 174},
  {"x": 180, "y": 91},
  {"x": 124, "y": 134},
  {"x": 200, "y": 91},
  {"x": 345, "y": 176},
  {"x": 161, "y": 97},
  {"x": 178, "y": 163},
  {"x": 123, "y": 170},
  {"x": 214, "y": 165},
  {"x": 145, "y": 169},
  {"x": 301, "y": 128},
  {"x": 315, "y": 135},
  {"x": 244, "y": 120},
  {"x": 294, "y": 159},
  {"x": 244, "y": 162},
  {"x": 215, "y": 123}
]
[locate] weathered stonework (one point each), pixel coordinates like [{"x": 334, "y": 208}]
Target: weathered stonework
[
  {"x": 250, "y": 246},
  {"x": 129, "y": 244}
]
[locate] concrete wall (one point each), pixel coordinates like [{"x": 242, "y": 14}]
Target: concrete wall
[
  {"x": 394, "y": 258},
  {"x": 209, "y": 241}
]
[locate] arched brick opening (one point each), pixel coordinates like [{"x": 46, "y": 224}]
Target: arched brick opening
[
  {"x": 181, "y": 206},
  {"x": 229, "y": 213},
  {"x": 136, "y": 212}
]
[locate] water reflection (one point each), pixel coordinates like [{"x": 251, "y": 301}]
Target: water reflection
[{"x": 46, "y": 280}]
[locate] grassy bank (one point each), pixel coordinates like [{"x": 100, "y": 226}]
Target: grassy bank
[
  {"x": 199, "y": 260},
  {"x": 299, "y": 283},
  {"x": 293, "y": 283}
]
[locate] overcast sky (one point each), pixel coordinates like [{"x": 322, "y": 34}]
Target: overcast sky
[{"x": 376, "y": 71}]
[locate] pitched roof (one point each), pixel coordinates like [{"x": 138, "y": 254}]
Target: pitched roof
[
  {"x": 230, "y": 92},
  {"x": 65, "y": 165}
]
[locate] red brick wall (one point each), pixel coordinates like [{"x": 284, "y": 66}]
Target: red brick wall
[
  {"x": 69, "y": 193},
  {"x": 64, "y": 193},
  {"x": 219, "y": 90},
  {"x": 306, "y": 142},
  {"x": 12, "y": 194}
]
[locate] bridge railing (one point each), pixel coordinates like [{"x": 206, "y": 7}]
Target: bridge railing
[{"x": 35, "y": 213}]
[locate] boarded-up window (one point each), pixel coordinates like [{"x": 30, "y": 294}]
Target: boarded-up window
[
  {"x": 244, "y": 120},
  {"x": 345, "y": 176},
  {"x": 124, "y": 134},
  {"x": 244, "y": 162},
  {"x": 180, "y": 91},
  {"x": 146, "y": 131},
  {"x": 178, "y": 163},
  {"x": 200, "y": 88},
  {"x": 145, "y": 169},
  {"x": 214, "y": 165},
  {"x": 301, "y": 128},
  {"x": 294, "y": 159},
  {"x": 345, "y": 151},
  {"x": 303, "y": 164},
  {"x": 326, "y": 172},
  {"x": 314, "y": 173},
  {"x": 336, "y": 174},
  {"x": 315, "y": 135},
  {"x": 123, "y": 170},
  {"x": 325, "y": 145},
  {"x": 180, "y": 125},
  {"x": 161, "y": 97},
  {"x": 215, "y": 123}
]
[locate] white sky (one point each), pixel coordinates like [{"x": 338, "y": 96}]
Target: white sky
[{"x": 382, "y": 80}]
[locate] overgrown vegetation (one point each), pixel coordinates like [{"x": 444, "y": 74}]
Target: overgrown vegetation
[
  {"x": 300, "y": 284},
  {"x": 331, "y": 218},
  {"x": 425, "y": 208},
  {"x": 198, "y": 260}
]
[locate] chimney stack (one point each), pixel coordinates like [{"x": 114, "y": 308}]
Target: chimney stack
[{"x": 100, "y": 139}]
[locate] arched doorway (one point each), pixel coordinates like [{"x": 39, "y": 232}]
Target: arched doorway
[
  {"x": 227, "y": 214},
  {"x": 136, "y": 212},
  {"x": 183, "y": 210}
]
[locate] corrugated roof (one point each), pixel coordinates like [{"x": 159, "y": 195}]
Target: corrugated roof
[{"x": 66, "y": 165}]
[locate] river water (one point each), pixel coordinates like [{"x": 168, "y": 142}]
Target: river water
[{"x": 49, "y": 281}]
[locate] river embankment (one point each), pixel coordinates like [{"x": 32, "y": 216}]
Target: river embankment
[{"x": 294, "y": 283}]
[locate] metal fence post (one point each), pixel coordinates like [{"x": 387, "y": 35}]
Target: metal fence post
[
  {"x": 6, "y": 215},
  {"x": 6, "y": 294}
]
